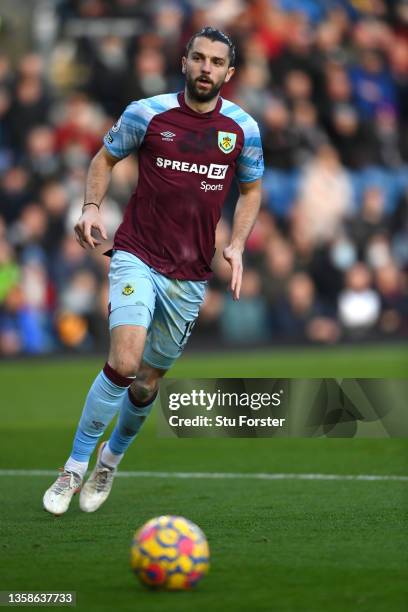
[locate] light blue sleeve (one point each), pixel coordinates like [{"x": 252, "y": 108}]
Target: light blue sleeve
[
  {"x": 250, "y": 164},
  {"x": 129, "y": 131}
]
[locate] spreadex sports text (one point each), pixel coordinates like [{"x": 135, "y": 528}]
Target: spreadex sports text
[{"x": 212, "y": 171}]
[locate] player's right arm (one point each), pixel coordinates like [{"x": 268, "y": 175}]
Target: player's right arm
[
  {"x": 97, "y": 182},
  {"x": 124, "y": 137}
]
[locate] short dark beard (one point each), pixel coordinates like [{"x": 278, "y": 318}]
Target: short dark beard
[{"x": 201, "y": 97}]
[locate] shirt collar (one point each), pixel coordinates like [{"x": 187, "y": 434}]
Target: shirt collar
[{"x": 187, "y": 109}]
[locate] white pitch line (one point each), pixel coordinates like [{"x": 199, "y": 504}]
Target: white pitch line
[{"x": 224, "y": 475}]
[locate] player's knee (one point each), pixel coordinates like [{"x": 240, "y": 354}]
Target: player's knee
[
  {"x": 143, "y": 389},
  {"x": 126, "y": 349},
  {"x": 125, "y": 366}
]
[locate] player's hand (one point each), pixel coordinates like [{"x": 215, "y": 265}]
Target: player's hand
[
  {"x": 234, "y": 257},
  {"x": 88, "y": 221}
]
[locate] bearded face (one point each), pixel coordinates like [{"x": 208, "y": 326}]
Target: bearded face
[
  {"x": 206, "y": 69},
  {"x": 202, "y": 88}
]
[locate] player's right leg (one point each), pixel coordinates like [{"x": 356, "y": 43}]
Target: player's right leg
[
  {"x": 136, "y": 406},
  {"x": 102, "y": 403},
  {"x": 132, "y": 304}
]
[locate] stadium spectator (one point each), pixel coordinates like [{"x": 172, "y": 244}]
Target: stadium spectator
[
  {"x": 6, "y": 150},
  {"x": 308, "y": 134},
  {"x": 389, "y": 282},
  {"x": 278, "y": 268},
  {"x": 359, "y": 305},
  {"x": 79, "y": 129},
  {"x": 370, "y": 220},
  {"x": 108, "y": 74},
  {"x": 30, "y": 108},
  {"x": 245, "y": 322},
  {"x": 15, "y": 193},
  {"x": 40, "y": 157},
  {"x": 279, "y": 139},
  {"x": 300, "y": 316},
  {"x": 372, "y": 84},
  {"x": 148, "y": 76},
  {"x": 325, "y": 196},
  {"x": 352, "y": 137}
]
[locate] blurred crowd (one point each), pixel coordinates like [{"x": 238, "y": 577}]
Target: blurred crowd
[{"x": 327, "y": 82}]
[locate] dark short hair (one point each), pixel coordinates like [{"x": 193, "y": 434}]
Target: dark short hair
[{"x": 214, "y": 34}]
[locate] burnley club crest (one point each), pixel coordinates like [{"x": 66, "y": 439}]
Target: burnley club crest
[{"x": 226, "y": 141}]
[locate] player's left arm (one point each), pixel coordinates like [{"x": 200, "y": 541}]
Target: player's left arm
[{"x": 246, "y": 212}]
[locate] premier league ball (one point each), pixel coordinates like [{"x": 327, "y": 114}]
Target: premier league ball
[{"x": 170, "y": 552}]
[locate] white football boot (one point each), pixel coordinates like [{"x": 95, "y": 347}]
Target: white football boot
[
  {"x": 58, "y": 497},
  {"x": 98, "y": 486}
]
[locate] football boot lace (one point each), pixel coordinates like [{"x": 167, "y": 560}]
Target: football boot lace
[
  {"x": 67, "y": 480},
  {"x": 103, "y": 477}
]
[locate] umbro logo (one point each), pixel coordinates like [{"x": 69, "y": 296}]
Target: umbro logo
[{"x": 167, "y": 136}]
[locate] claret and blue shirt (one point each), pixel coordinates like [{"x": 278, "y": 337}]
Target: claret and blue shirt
[{"x": 187, "y": 161}]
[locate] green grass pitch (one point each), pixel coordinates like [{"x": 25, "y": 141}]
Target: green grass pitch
[{"x": 277, "y": 545}]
